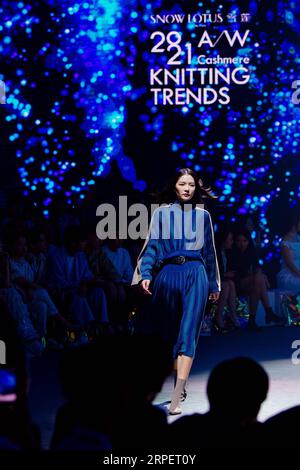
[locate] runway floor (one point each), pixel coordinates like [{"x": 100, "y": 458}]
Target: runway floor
[{"x": 272, "y": 347}]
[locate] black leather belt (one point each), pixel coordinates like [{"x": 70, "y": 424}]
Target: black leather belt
[{"x": 180, "y": 260}]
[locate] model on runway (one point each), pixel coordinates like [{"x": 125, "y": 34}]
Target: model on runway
[{"x": 178, "y": 267}]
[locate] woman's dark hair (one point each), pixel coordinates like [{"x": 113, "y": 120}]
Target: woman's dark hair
[{"x": 167, "y": 195}]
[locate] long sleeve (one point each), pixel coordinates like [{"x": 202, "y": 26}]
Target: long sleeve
[
  {"x": 210, "y": 257},
  {"x": 149, "y": 260}
]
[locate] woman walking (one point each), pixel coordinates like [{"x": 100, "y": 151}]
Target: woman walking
[{"x": 180, "y": 249}]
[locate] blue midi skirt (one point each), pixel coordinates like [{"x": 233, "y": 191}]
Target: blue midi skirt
[{"x": 179, "y": 295}]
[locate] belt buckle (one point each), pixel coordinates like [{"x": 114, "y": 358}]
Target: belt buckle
[{"x": 180, "y": 260}]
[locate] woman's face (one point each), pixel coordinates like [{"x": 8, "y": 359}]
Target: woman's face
[
  {"x": 242, "y": 243},
  {"x": 228, "y": 242},
  {"x": 185, "y": 188}
]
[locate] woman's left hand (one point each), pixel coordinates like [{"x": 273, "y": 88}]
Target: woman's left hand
[{"x": 214, "y": 296}]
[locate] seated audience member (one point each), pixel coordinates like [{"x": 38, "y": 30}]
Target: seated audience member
[
  {"x": 236, "y": 389},
  {"x": 37, "y": 298},
  {"x": 108, "y": 278},
  {"x": 17, "y": 431},
  {"x": 224, "y": 243},
  {"x": 70, "y": 276},
  {"x": 113, "y": 411},
  {"x": 249, "y": 278},
  {"x": 288, "y": 278},
  {"x": 18, "y": 309}
]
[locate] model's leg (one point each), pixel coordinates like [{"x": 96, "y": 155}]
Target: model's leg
[
  {"x": 184, "y": 364},
  {"x": 184, "y": 393},
  {"x": 193, "y": 307}
]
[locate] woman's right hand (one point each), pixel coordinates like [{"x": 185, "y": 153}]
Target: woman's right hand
[{"x": 145, "y": 285}]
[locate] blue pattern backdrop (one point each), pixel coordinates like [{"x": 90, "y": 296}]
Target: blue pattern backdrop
[{"x": 77, "y": 99}]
